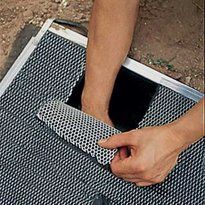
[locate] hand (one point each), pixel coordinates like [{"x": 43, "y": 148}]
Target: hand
[
  {"x": 92, "y": 107},
  {"x": 153, "y": 154},
  {"x": 98, "y": 114}
]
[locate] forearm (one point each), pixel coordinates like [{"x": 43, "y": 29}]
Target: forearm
[
  {"x": 190, "y": 127},
  {"x": 110, "y": 34}
]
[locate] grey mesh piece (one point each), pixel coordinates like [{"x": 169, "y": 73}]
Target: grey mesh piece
[
  {"x": 78, "y": 128},
  {"x": 39, "y": 167}
]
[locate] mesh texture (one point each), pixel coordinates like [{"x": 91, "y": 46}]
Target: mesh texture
[
  {"x": 184, "y": 184},
  {"x": 39, "y": 167},
  {"x": 167, "y": 106},
  {"x": 78, "y": 128}
]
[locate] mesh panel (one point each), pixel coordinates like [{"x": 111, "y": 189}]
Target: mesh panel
[
  {"x": 80, "y": 129},
  {"x": 39, "y": 167}
]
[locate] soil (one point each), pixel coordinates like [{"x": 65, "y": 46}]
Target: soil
[{"x": 169, "y": 35}]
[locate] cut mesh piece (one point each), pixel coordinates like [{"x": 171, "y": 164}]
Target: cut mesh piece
[
  {"x": 39, "y": 167},
  {"x": 78, "y": 128}
]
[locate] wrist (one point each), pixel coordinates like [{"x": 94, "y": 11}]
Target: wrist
[
  {"x": 180, "y": 134},
  {"x": 92, "y": 99},
  {"x": 97, "y": 91},
  {"x": 96, "y": 109}
]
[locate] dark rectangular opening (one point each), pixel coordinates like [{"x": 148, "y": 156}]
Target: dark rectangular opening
[{"x": 129, "y": 102}]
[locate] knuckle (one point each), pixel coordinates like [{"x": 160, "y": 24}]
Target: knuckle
[
  {"x": 135, "y": 134},
  {"x": 115, "y": 170},
  {"x": 155, "y": 181},
  {"x": 140, "y": 167},
  {"x": 132, "y": 133},
  {"x": 133, "y": 167},
  {"x": 161, "y": 179},
  {"x": 158, "y": 179},
  {"x": 146, "y": 176}
]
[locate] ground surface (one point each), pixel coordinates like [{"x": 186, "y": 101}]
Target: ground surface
[{"x": 168, "y": 36}]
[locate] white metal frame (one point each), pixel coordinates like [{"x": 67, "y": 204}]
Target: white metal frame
[
  {"x": 77, "y": 38},
  {"x": 23, "y": 57}
]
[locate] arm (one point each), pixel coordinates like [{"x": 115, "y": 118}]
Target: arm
[
  {"x": 155, "y": 150},
  {"x": 190, "y": 127},
  {"x": 110, "y": 34}
]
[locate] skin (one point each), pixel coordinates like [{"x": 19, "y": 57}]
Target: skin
[
  {"x": 153, "y": 150},
  {"x": 110, "y": 36}
]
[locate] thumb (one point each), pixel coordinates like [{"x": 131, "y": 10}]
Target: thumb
[{"x": 115, "y": 141}]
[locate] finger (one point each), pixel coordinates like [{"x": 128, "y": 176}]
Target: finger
[
  {"x": 135, "y": 180},
  {"x": 145, "y": 183},
  {"x": 139, "y": 182},
  {"x": 115, "y": 141},
  {"x": 130, "y": 176},
  {"x": 127, "y": 175},
  {"x": 116, "y": 157},
  {"x": 123, "y": 153},
  {"x": 122, "y": 167}
]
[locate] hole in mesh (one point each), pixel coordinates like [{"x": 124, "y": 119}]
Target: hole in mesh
[{"x": 130, "y": 100}]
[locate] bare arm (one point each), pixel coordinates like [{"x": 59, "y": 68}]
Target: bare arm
[
  {"x": 110, "y": 34},
  {"x": 190, "y": 127},
  {"x": 155, "y": 150}
]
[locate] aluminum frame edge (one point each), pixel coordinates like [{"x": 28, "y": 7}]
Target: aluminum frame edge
[
  {"x": 23, "y": 57},
  {"x": 81, "y": 40},
  {"x": 135, "y": 66}
]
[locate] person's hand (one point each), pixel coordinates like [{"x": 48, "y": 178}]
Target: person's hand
[
  {"x": 92, "y": 106},
  {"x": 98, "y": 114},
  {"x": 153, "y": 152}
]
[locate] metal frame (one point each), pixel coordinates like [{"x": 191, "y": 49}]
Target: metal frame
[
  {"x": 81, "y": 40},
  {"x": 23, "y": 57}
]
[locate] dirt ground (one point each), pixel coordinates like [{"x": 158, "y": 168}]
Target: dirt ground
[{"x": 168, "y": 37}]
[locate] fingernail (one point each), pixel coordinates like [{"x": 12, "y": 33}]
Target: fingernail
[{"x": 102, "y": 141}]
